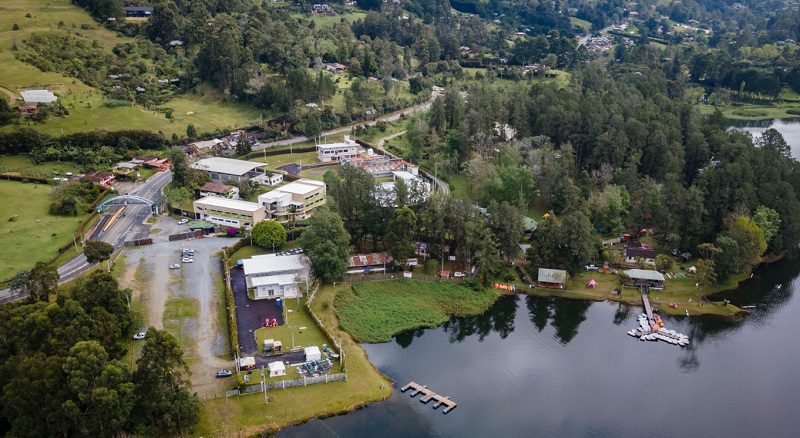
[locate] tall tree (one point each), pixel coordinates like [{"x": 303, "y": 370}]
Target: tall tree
[
  {"x": 269, "y": 234},
  {"x": 97, "y": 251},
  {"x": 38, "y": 283},
  {"x": 327, "y": 244},
  {"x": 400, "y": 239},
  {"x": 164, "y": 405},
  {"x": 505, "y": 221}
]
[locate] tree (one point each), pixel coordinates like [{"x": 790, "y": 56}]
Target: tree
[
  {"x": 7, "y": 114},
  {"x": 488, "y": 260},
  {"x": 180, "y": 167},
  {"x": 327, "y": 244},
  {"x": 312, "y": 127},
  {"x": 400, "y": 239},
  {"x": 400, "y": 193},
  {"x": 191, "y": 131},
  {"x": 164, "y": 405},
  {"x": 750, "y": 239},
  {"x": 663, "y": 262},
  {"x": 505, "y": 222},
  {"x": 269, "y": 234},
  {"x": 97, "y": 251},
  {"x": 38, "y": 283},
  {"x": 243, "y": 146},
  {"x": 769, "y": 221},
  {"x": 351, "y": 191},
  {"x": 579, "y": 239}
]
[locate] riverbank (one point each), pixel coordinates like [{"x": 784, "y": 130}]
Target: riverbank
[
  {"x": 679, "y": 291},
  {"x": 247, "y": 415}
]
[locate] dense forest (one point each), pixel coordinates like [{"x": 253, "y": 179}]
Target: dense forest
[{"x": 64, "y": 365}]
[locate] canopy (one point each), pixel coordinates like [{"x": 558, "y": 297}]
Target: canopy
[
  {"x": 693, "y": 269},
  {"x": 592, "y": 283},
  {"x": 276, "y": 366}
]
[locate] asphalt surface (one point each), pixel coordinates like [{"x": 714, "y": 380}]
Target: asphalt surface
[
  {"x": 250, "y": 314},
  {"x": 387, "y": 118},
  {"x": 128, "y": 227}
]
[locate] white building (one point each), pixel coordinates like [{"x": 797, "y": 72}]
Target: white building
[
  {"x": 294, "y": 201},
  {"x": 344, "y": 150},
  {"x": 272, "y": 276},
  {"x": 273, "y": 179},
  {"x": 221, "y": 170},
  {"x": 229, "y": 212},
  {"x": 35, "y": 97},
  {"x": 276, "y": 369}
]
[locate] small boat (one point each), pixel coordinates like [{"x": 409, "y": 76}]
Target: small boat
[
  {"x": 748, "y": 307},
  {"x": 779, "y": 286}
]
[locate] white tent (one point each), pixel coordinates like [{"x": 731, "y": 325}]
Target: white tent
[
  {"x": 312, "y": 353},
  {"x": 276, "y": 368},
  {"x": 693, "y": 270},
  {"x": 247, "y": 363}
]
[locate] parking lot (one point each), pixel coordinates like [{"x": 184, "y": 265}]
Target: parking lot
[{"x": 250, "y": 314}]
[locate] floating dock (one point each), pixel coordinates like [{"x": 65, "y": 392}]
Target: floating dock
[
  {"x": 428, "y": 395},
  {"x": 650, "y": 330}
]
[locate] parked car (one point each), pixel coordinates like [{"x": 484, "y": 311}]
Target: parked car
[
  {"x": 458, "y": 274},
  {"x": 183, "y": 221},
  {"x": 139, "y": 336},
  {"x": 187, "y": 251},
  {"x": 224, "y": 373},
  {"x": 175, "y": 266},
  {"x": 592, "y": 267},
  {"x": 187, "y": 260}
]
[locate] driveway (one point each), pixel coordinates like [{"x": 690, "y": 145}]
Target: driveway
[{"x": 250, "y": 314}]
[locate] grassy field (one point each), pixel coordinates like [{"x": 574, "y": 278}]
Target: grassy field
[
  {"x": 583, "y": 24},
  {"x": 374, "y": 312},
  {"x": 33, "y": 235},
  {"x": 330, "y": 20},
  {"x": 248, "y": 415},
  {"x": 22, "y": 165},
  {"x": 679, "y": 291},
  {"x": 87, "y": 112},
  {"x": 275, "y": 161}
]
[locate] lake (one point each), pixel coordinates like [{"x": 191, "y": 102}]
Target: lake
[
  {"x": 789, "y": 128},
  {"x": 565, "y": 368}
]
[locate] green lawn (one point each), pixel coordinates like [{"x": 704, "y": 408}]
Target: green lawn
[
  {"x": 275, "y": 161},
  {"x": 374, "y": 312},
  {"x": 330, "y": 20},
  {"x": 300, "y": 331},
  {"x": 247, "y": 252},
  {"x": 29, "y": 233},
  {"x": 249, "y": 415},
  {"x": 22, "y": 165},
  {"x": 583, "y": 24}
]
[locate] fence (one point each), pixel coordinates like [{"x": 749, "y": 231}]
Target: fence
[
  {"x": 139, "y": 242},
  {"x": 186, "y": 235},
  {"x": 380, "y": 276},
  {"x": 283, "y": 384}
]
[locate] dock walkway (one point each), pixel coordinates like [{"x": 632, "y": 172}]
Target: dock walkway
[
  {"x": 647, "y": 309},
  {"x": 428, "y": 395}
]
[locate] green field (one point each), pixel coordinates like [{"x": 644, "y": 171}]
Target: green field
[
  {"x": 210, "y": 109},
  {"x": 275, "y": 161},
  {"x": 374, "y": 312},
  {"x": 330, "y": 20},
  {"x": 22, "y": 165},
  {"x": 29, "y": 233},
  {"x": 583, "y": 24}
]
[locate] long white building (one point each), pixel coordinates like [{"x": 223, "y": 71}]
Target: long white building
[{"x": 272, "y": 276}]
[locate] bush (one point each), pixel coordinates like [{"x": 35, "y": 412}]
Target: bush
[
  {"x": 269, "y": 234},
  {"x": 116, "y": 103}
]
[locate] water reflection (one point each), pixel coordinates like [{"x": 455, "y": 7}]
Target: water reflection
[
  {"x": 499, "y": 318},
  {"x": 404, "y": 339},
  {"x": 539, "y": 311}
]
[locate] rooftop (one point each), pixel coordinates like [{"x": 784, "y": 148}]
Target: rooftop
[
  {"x": 38, "y": 96},
  {"x": 552, "y": 275},
  {"x": 280, "y": 279},
  {"x": 207, "y": 143},
  {"x": 227, "y": 166},
  {"x": 235, "y": 204},
  {"x": 644, "y": 274},
  {"x": 346, "y": 143},
  {"x": 376, "y": 258},
  {"x": 215, "y": 188},
  {"x": 299, "y": 187},
  {"x": 268, "y": 263}
]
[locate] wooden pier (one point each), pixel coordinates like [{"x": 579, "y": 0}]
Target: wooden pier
[
  {"x": 428, "y": 395},
  {"x": 647, "y": 309}
]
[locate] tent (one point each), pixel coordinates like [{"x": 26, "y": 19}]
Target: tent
[
  {"x": 693, "y": 270},
  {"x": 276, "y": 368},
  {"x": 592, "y": 283},
  {"x": 247, "y": 363},
  {"x": 312, "y": 353}
]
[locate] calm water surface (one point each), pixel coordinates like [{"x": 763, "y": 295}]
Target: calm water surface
[
  {"x": 564, "y": 368},
  {"x": 789, "y": 128}
]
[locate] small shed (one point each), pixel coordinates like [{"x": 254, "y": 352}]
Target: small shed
[
  {"x": 276, "y": 368},
  {"x": 247, "y": 363},
  {"x": 312, "y": 353},
  {"x": 552, "y": 278}
]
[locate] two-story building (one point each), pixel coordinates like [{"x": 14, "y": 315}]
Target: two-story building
[
  {"x": 294, "y": 201},
  {"x": 335, "y": 152},
  {"x": 272, "y": 276},
  {"x": 229, "y": 212},
  {"x": 220, "y": 190}
]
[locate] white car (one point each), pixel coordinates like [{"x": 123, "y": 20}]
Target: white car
[
  {"x": 175, "y": 266},
  {"x": 187, "y": 260},
  {"x": 187, "y": 251},
  {"x": 139, "y": 336},
  {"x": 183, "y": 221},
  {"x": 458, "y": 274}
]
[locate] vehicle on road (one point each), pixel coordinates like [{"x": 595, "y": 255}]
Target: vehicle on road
[
  {"x": 187, "y": 251},
  {"x": 224, "y": 373},
  {"x": 183, "y": 221},
  {"x": 187, "y": 260},
  {"x": 175, "y": 266},
  {"x": 592, "y": 268},
  {"x": 139, "y": 336},
  {"x": 458, "y": 274}
]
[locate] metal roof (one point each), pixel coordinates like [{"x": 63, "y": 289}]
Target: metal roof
[
  {"x": 552, "y": 275},
  {"x": 233, "y": 204},
  {"x": 644, "y": 274},
  {"x": 271, "y": 263},
  {"x": 38, "y": 96},
  {"x": 227, "y": 166}
]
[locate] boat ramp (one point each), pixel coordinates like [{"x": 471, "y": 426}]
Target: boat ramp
[
  {"x": 651, "y": 327},
  {"x": 428, "y": 395}
]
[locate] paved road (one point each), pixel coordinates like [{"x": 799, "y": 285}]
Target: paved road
[
  {"x": 387, "y": 118},
  {"x": 132, "y": 224}
]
